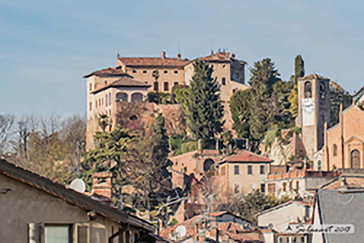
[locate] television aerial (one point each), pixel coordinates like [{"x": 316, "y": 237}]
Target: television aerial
[
  {"x": 78, "y": 185},
  {"x": 180, "y": 231}
]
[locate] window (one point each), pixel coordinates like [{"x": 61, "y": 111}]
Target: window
[
  {"x": 334, "y": 150},
  {"x": 102, "y": 101},
  {"x": 236, "y": 170},
  {"x": 262, "y": 169},
  {"x": 272, "y": 188},
  {"x": 57, "y": 234},
  {"x": 223, "y": 81},
  {"x": 109, "y": 98},
  {"x": 308, "y": 90},
  {"x": 234, "y": 90},
  {"x": 155, "y": 86},
  {"x": 250, "y": 170},
  {"x": 134, "y": 71},
  {"x": 96, "y": 103},
  {"x": 90, "y": 87},
  {"x": 236, "y": 188},
  {"x": 297, "y": 185},
  {"x": 175, "y": 83},
  {"x": 166, "y": 86},
  {"x": 319, "y": 165},
  {"x": 284, "y": 185},
  {"x": 106, "y": 99},
  {"x": 175, "y": 71},
  {"x": 145, "y": 71},
  {"x": 90, "y": 106},
  {"x": 105, "y": 82},
  {"x": 99, "y": 102},
  {"x": 165, "y": 71},
  {"x": 262, "y": 188}
]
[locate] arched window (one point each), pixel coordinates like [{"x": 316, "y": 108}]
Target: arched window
[
  {"x": 355, "y": 159},
  {"x": 284, "y": 186},
  {"x": 308, "y": 90},
  {"x": 137, "y": 97},
  {"x": 334, "y": 150},
  {"x": 207, "y": 165},
  {"x": 121, "y": 96}
]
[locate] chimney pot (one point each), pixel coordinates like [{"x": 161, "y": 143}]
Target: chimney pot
[
  {"x": 233, "y": 55},
  {"x": 163, "y": 55},
  {"x": 179, "y": 56}
]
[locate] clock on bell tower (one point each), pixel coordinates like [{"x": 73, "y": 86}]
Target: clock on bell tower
[{"x": 314, "y": 111}]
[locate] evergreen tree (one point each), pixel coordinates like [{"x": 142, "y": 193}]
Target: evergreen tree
[
  {"x": 240, "y": 105},
  {"x": 161, "y": 140},
  {"x": 203, "y": 109},
  {"x": 299, "y": 71},
  {"x": 264, "y": 76},
  {"x": 338, "y": 96},
  {"x": 108, "y": 154}
]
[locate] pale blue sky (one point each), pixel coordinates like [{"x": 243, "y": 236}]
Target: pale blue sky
[{"x": 47, "y": 46}]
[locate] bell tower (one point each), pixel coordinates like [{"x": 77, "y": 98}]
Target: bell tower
[{"x": 313, "y": 111}]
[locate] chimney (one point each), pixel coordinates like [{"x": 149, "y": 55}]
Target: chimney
[
  {"x": 179, "y": 56},
  {"x": 233, "y": 55},
  {"x": 163, "y": 55},
  {"x": 212, "y": 52},
  {"x": 101, "y": 186}
]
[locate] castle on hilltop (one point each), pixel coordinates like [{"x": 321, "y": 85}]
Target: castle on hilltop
[{"x": 132, "y": 79}]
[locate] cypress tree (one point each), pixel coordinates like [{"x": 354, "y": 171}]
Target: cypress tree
[
  {"x": 299, "y": 69},
  {"x": 204, "y": 110},
  {"x": 161, "y": 141},
  {"x": 264, "y": 76}
]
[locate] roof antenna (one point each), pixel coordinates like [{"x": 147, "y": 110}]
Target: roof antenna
[{"x": 118, "y": 53}]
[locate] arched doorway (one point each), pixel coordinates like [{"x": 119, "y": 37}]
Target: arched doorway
[
  {"x": 355, "y": 159},
  {"x": 121, "y": 96},
  {"x": 208, "y": 164},
  {"x": 137, "y": 97}
]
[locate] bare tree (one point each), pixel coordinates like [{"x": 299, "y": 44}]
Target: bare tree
[{"x": 6, "y": 131}]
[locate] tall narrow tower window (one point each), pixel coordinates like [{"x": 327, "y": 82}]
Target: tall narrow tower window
[{"x": 308, "y": 90}]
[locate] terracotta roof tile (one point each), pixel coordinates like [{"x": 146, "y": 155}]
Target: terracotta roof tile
[
  {"x": 125, "y": 81},
  {"x": 352, "y": 182},
  {"x": 106, "y": 72},
  {"x": 246, "y": 156},
  {"x": 152, "y": 61}
]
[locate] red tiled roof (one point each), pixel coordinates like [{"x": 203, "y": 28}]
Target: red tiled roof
[
  {"x": 152, "y": 61},
  {"x": 352, "y": 182},
  {"x": 216, "y": 57},
  {"x": 106, "y": 72},
  {"x": 246, "y": 156},
  {"x": 125, "y": 81}
]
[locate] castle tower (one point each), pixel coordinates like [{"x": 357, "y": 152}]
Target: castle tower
[{"x": 313, "y": 111}]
